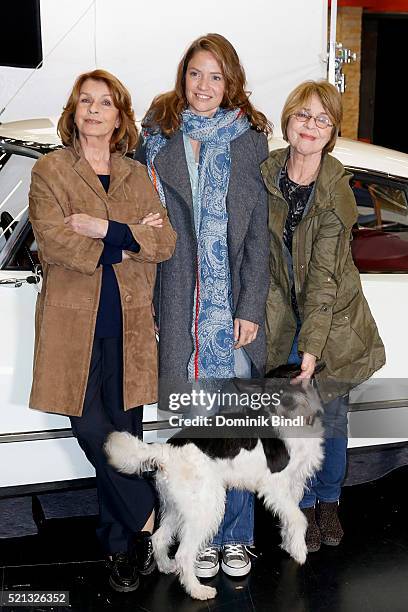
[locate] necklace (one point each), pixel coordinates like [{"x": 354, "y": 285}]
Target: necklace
[{"x": 292, "y": 186}]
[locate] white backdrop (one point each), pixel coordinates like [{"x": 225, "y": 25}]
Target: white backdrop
[{"x": 280, "y": 42}]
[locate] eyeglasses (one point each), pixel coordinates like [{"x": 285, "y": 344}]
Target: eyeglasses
[{"x": 321, "y": 121}]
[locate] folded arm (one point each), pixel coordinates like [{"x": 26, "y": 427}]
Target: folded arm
[{"x": 58, "y": 243}]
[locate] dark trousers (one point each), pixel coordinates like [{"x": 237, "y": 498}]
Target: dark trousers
[{"x": 125, "y": 502}]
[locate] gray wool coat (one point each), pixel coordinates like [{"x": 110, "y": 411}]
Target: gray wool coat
[{"x": 248, "y": 249}]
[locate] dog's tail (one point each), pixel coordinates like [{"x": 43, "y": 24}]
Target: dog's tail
[{"x": 130, "y": 455}]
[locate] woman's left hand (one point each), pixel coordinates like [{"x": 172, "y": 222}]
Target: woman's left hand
[
  {"x": 152, "y": 219},
  {"x": 307, "y": 367},
  {"x": 244, "y": 332},
  {"x": 85, "y": 225}
]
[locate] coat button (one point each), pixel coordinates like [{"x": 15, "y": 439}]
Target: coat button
[
  {"x": 128, "y": 298},
  {"x": 346, "y": 317}
]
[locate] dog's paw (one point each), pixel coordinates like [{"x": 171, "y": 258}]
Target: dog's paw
[
  {"x": 298, "y": 552},
  {"x": 300, "y": 556},
  {"x": 167, "y": 566},
  {"x": 203, "y": 592}
]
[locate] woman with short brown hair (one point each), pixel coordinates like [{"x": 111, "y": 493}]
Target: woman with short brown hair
[
  {"x": 316, "y": 309},
  {"x": 94, "y": 215},
  {"x": 125, "y": 135},
  {"x": 330, "y": 99}
]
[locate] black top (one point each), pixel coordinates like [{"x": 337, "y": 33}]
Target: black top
[
  {"x": 118, "y": 238},
  {"x": 297, "y": 197}
]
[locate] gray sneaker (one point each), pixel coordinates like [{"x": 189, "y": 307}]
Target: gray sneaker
[
  {"x": 207, "y": 563},
  {"x": 235, "y": 560}
]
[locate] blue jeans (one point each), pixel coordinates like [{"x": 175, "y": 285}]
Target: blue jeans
[
  {"x": 294, "y": 357},
  {"x": 237, "y": 526},
  {"x": 326, "y": 483}
]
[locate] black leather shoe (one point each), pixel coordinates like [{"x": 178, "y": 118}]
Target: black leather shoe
[
  {"x": 142, "y": 553},
  {"x": 124, "y": 576}
]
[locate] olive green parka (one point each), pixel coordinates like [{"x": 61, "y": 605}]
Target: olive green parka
[{"x": 336, "y": 323}]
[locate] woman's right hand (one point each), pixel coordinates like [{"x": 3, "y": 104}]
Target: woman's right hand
[
  {"x": 308, "y": 367},
  {"x": 85, "y": 225},
  {"x": 152, "y": 219}
]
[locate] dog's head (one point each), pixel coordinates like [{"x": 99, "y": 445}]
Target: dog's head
[
  {"x": 296, "y": 398},
  {"x": 299, "y": 400}
]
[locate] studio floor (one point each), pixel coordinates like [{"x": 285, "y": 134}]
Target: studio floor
[{"x": 368, "y": 572}]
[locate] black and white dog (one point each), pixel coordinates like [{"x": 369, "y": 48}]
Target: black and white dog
[{"x": 192, "y": 476}]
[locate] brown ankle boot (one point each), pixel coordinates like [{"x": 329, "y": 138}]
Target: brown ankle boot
[
  {"x": 329, "y": 523},
  {"x": 312, "y": 538}
]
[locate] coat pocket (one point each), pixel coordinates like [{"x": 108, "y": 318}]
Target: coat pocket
[
  {"x": 70, "y": 289},
  {"x": 346, "y": 343}
]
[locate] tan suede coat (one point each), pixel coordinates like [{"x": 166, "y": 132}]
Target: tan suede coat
[{"x": 63, "y": 183}]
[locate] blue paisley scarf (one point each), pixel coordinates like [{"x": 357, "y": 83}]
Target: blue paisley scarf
[{"x": 212, "y": 320}]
